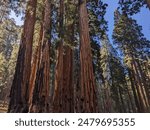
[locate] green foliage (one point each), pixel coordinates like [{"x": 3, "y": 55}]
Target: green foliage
[
  {"x": 97, "y": 22},
  {"x": 131, "y": 7},
  {"x": 128, "y": 35},
  {"x": 9, "y": 42},
  {"x": 7, "y": 68}
]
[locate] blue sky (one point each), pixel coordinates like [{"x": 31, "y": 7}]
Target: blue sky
[
  {"x": 17, "y": 19},
  {"x": 142, "y": 18}
]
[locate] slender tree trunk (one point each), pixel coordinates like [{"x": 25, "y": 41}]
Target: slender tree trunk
[
  {"x": 145, "y": 84},
  {"x": 140, "y": 88},
  {"x": 40, "y": 100},
  {"x": 108, "y": 101},
  {"x": 142, "y": 84},
  {"x": 118, "y": 102},
  {"x": 134, "y": 91},
  {"x": 139, "y": 92},
  {"x": 68, "y": 91},
  {"x": 57, "y": 104},
  {"x": 34, "y": 68},
  {"x": 88, "y": 99},
  {"x": 57, "y": 101},
  {"x": 76, "y": 70},
  {"x": 130, "y": 98},
  {"x": 35, "y": 62},
  {"x": 68, "y": 88},
  {"x": 122, "y": 101},
  {"x": 20, "y": 87}
]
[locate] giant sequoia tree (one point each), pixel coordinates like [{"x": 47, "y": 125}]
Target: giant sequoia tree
[
  {"x": 88, "y": 101},
  {"x": 20, "y": 88},
  {"x": 59, "y": 64},
  {"x": 40, "y": 89}
]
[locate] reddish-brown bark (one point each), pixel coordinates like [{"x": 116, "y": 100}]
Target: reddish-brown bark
[
  {"x": 20, "y": 86},
  {"x": 40, "y": 94},
  {"x": 88, "y": 99},
  {"x": 67, "y": 90},
  {"x": 57, "y": 102}
]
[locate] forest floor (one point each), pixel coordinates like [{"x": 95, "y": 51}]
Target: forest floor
[
  {"x": 3, "y": 107},
  {"x": 3, "y": 110}
]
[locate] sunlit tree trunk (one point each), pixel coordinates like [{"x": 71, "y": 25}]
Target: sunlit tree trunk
[
  {"x": 20, "y": 86},
  {"x": 40, "y": 99},
  {"x": 35, "y": 62}
]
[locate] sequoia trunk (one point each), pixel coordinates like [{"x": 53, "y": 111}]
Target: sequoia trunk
[
  {"x": 20, "y": 86},
  {"x": 40, "y": 99},
  {"x": 88, "y": 99},
  {"x": 57, "y": 101}
]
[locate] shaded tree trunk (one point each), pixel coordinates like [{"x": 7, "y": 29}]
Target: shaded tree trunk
[
  {"x": 68, "y": 81},
  {"x": 108, "y": 101},
  {"x": 130, "y": 99},
  {"x": 20, "y": 87},
  {"x": 88, "y": 99},
  {"x": 40, "y": 99},
  {"x": 138, "y": 88},
  {"x": 133, "y": 86},
  {"x": 145, "y": 84},
  {"x": 68, "y": 91},
  {"x": 57, "y": 101},
  {"x": 122, "y": 101},
  {"x": 76, "y": 77}
]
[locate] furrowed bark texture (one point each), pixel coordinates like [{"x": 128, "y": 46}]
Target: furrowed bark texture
[
  {"x": 88, "y": 99},
  {"x": 40, "y": 99},
  {"x": 20, "y": 87}
]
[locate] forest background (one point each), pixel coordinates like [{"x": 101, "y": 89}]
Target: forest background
[{"x": 107, "y": 58}]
